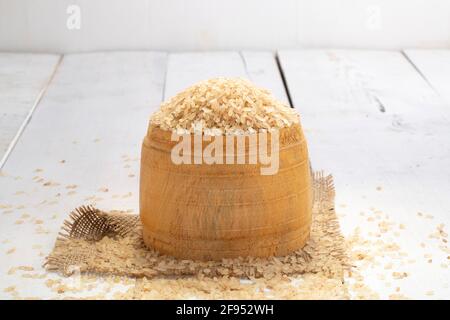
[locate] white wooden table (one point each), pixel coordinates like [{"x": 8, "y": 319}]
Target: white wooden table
[{"x": 71, "y": 128}]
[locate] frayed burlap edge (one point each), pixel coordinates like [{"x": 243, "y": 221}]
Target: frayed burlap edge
[{"x": 93, "y": 241}]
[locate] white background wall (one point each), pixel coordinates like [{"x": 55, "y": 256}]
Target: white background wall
[{"x": 40, "y": 25}]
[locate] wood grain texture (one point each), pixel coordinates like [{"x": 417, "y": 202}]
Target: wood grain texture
[
  {"x": 216, "y": 211},
  {"x": 434, "y": 66},
  {"x": 82, "y": 146},
  {"x": 377, "y": 126},
  {"x": 23, "y": 78},
  {"x": 369, "y": 117}
]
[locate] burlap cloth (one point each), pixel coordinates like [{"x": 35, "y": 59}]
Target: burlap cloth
[{"x": 110, "y": 243}]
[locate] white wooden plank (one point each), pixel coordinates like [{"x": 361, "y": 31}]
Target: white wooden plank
[
  {"x": 23, "y": 78},
  {"x": 263, "y": 70},
  {"x": 87, "y": 131},
  {"x": 185, "y": 69},
  {"x": 376, "y": 125},
  {"x": 434, "y": 65}
]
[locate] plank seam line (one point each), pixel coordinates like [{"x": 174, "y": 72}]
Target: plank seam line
[
  {"x": 27, "y": 120},
  {"x": 168, "y": 55},
  {"x": 283, "y": 79},
  {"x": 245, "y": 64},
  {"x": 421, "y": 74}
]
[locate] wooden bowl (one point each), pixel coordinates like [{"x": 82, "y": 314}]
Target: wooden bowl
[{"x": 211, "y": 212}]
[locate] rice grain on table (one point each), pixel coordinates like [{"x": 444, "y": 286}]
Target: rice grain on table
[{"x": 224, "y": 106}]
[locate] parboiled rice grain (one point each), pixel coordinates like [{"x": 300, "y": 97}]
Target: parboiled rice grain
[{"x": 224, "y": 106}]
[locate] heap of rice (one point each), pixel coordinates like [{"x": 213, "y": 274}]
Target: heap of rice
[{"x": 224, "y": 106}]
